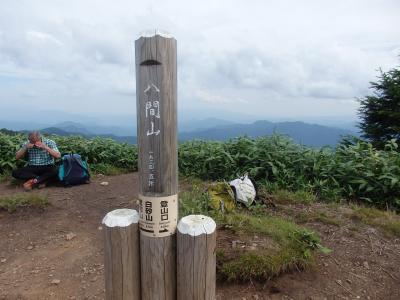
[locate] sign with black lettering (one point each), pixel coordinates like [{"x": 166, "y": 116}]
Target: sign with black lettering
[{"x": 158, "y": 215}]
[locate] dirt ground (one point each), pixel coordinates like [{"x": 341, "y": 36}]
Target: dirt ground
[{"x": 57, "y": 252}]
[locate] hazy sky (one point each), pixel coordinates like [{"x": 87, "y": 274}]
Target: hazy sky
[{"x": 272, "y": 59}]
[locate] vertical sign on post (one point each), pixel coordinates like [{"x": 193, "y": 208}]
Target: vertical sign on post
[{"x": 156, "y": 96}]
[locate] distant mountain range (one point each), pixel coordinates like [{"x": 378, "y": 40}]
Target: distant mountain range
[
  {"x": 82, "y": 131},
  {"x": 303, "y": 133}
]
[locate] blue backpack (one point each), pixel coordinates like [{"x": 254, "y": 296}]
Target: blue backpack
[{"x": 73, "y": 170}]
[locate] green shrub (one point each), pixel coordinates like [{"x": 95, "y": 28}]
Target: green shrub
[
  {"x": 298, "y": 197},
  {"x": 353, "y": 171},
  {"x": 103, "y": 155}
]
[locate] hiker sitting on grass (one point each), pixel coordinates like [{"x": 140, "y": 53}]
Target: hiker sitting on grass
[{"x": 40, "y": 169}]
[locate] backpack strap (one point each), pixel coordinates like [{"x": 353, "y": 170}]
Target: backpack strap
[{"x": 80, "y": 164}]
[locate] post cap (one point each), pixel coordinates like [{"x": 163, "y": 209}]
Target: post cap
[
  {"x": 153, "y": 32},
  {"x": 195, "y": 225},
  {"x": 121, "y": 218}
]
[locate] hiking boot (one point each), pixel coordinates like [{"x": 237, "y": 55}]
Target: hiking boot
[{"x": 29, "y": 184}]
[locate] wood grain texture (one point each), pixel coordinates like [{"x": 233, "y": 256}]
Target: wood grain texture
[
  {"x": 156, "y": 80},
  {"x": 117, "y": 265},
  {"x": 108, "y": 267},
  {"x": 158, "y": 267},
  {"x": 122, "y": 262},
  {"x": 163, "y": 145},
  {"x": 199, "y": 266},
  {"x": 211, "y": 263},
  {"x": 185, "y": 266},
  {"x": 196, "y": 266}
]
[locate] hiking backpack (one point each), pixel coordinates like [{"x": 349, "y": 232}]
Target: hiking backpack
[{"x": 73, "y": 170}]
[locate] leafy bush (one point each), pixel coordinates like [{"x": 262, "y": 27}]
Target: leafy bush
[
  {"x": 99, "y": 152},
  {"x": 9, "y": 144},
  {"x": 355, "y": 170}
]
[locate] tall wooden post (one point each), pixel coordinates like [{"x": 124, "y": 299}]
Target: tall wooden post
[{"x": 156, "y": 94}]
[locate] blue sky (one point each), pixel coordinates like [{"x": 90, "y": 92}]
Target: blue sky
[{"x": 267, "y": 59}]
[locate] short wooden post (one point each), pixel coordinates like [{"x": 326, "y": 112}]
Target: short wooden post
[
  {"x": 121, "y": 253},
  {"x": 196, "y": 268},
  {"x": 156, "y": 96}
]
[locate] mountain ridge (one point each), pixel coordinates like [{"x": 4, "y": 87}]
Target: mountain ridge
[{"x": 313, "y": 135}]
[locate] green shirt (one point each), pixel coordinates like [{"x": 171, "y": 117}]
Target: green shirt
[{"x": 40, "y": 157}]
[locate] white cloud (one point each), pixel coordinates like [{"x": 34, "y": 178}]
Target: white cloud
[
  {"x": 210, "y": 98},
  {"x": 213, "y": 97},
  {"x": 267, "y": 58},
  {"x": 34, "y": 36}
]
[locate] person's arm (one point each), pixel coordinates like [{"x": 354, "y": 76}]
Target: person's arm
[
  {"x": 21, "y": 152},
  {"x": 52, "y": 151}
]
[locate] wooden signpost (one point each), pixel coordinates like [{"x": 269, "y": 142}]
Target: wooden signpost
[
  {"x": 141, "y": 248},
  {"x": 156, "y": 96}
]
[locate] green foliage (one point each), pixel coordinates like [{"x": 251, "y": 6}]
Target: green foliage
[
  {"x": 354, "y": 171},
  {"x": 310, "y": 242},
  {"x": 194, "y": 201},
  {"x": 290, "y": 247},
  {"x": 287, "y": 247},
  {"x": 100, "y": 151},
  {"x": 15, "y": 201},
  {"x": 297, "y": 197},
  {"x": 103, "y": 155},
  {"x": 380, "y": 113},
  {"x": 261, "y": 266},
  {"x": 363, "y": 172},
  {"x": 207, "y": 160},
  {"x": 257, "y": 209},
  {"x": 9, "y": 145}
]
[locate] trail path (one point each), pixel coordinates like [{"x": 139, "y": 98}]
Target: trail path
[{"x": 57, "y": 253}]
